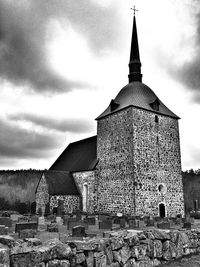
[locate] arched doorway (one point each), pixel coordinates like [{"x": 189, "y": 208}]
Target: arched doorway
[
  {"x": 162, "y": 210},
  {"x": 85, "y": 197}
]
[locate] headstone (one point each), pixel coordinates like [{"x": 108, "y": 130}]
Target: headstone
[
  {"x": 141, "y": 224},
  {"x": 15, "y": 217},
  {"x": 25, "y": 225},
  {"x": 78, "y": 231},
  {"x": 61, "y": 208},
  {"x": 122, "y": 223},
  {"x": 27, "y": 233},
  {"x": 105, "y": 224},
  {"x": 103, "y": 217},
  {"x": 41, "y": 221},
  {"x": 23, "y": 219},
  {"x": 3, "y": 230},
  {"x": 163, "y": 225},
  {"x": 72, "y": 224},
  {"x": 53, "y": 227},
  {"x": 59, "y": 220},
  {"x": 67, "y": 219},
  {"x": 6, "y": 221},
  {"x": 151, "y": 222},
  {"x": 133, "y": 223},
  {"x": 90, "y": 220},
  {"x": 187, "y": 225}
]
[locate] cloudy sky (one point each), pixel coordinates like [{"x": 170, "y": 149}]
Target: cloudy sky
[{"x": 62, "y": 61}]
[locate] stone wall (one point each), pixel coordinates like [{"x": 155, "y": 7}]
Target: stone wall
[
  {"x": 115, "y": 153},
  {"x": 137, "y": 153},
  {"x": 87, "y": 178},
  {"x": 71, "y": 203},
  {"x": 157, "y": 162},
  {"x": 42, "y": 196},
  {"x": 123, "y": 248}
]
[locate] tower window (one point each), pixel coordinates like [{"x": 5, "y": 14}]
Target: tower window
[
  {"x": 155, "y": 105},
  {"x": 156, "y": 119}
]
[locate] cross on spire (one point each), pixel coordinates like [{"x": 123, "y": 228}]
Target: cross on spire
[{"x": 134, "y": 10}]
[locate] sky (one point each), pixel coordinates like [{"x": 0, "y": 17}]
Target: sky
[{"x": 62, "y": 61}]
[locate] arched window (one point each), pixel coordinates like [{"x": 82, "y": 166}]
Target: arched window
[{"x": 85, "y": 197}]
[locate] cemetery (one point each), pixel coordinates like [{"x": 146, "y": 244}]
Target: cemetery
[{"x": 98, "y": 240}]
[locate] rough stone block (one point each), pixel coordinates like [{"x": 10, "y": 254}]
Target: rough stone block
[{"x": 4, "y": 256}]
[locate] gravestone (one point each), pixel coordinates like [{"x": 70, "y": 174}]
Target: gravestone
[
  {"x": 72, "y": 224},
  {"x": 163, "y": 225},
  {"x": 141, "y": 224},
  {"x": 3, "y": 230},
  {"x": 122, "y": 222},
  {"x": 6, "y": 221},
  {"x": 61, "y": 208},
  {"x": 78, "y": 231},
  {"x": 105, "y": 224},
  {"x": 15, "y": 217},
  {"x": 90, "y": 220},
  {"x": 27, "y": 233},
  {"x": 41, "y": 221},
  {"x": 187, "y": 225},
  {"x": 133, "y": 223},
  {"x": 25, "y": 225},
  {"x": 59, "y": 220},
  {"x": 53, "y": 227}
]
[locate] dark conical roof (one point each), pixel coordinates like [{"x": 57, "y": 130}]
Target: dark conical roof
[
  {"x": 138, "y": 95},
  {"x": 134, "y": 64}
]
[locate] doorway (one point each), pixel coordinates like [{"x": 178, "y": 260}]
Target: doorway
[{"x": 162, "y": 210}]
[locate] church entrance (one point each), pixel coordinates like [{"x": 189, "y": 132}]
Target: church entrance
[{"x": 162, "y": 210}]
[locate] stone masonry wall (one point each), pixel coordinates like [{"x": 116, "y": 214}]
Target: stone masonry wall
[
  {"x": 71, "y": 202},
  {"x": 88, "y": 178},
  {"x": 115, "y": 168},
  {"x": 137, "y": 155},
  {"x": 157, "y": 163},
  {"x": 123, "y": 248},
  {"x": 42, "y": 196}
]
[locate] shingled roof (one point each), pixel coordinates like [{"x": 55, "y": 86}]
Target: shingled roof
[
  {"x": 60, "y": 183},
  {"x": 78, "y": 156},
  {"x": 138, "y": 95}
]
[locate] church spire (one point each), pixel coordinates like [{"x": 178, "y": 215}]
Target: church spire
[{"x": 134, "y": 64}]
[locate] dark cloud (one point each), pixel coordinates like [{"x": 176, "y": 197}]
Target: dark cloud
[
  {"x": 62, "y": 125},
  {"x": 189, "y": 72},
  {"x": 23, "y": 37},
  {"x": 19, "y": 143}
]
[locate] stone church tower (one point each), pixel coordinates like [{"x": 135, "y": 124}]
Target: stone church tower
[{"x": 138, "y": 148}]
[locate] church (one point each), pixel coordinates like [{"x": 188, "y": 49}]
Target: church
[{"x": 132, "y": 166}]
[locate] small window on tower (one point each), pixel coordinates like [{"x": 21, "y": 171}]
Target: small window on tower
[
  {"x": 156, "y": 119},
  {"x": 155, "y": 105}
]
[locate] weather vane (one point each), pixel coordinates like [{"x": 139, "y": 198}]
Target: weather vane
[{"x": 134, "y": 10}]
